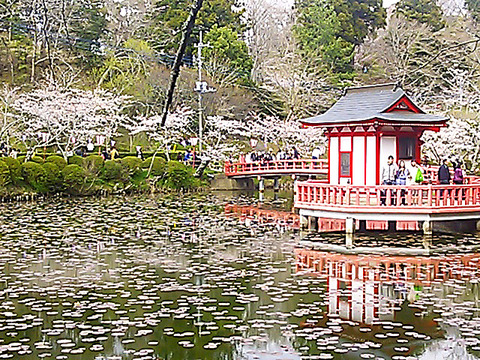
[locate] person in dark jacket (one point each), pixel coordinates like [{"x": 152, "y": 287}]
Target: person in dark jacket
[{"x": 444, "y": 173}]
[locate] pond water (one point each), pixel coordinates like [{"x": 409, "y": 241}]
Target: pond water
[{"x": 185, "y": 277}]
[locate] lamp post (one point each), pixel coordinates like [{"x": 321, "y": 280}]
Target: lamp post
[{"x": 202, "y": 88}]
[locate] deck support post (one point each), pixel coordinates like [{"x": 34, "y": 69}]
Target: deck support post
[
  {"x": 261, "y": 189},
  {"x": 276, "y": 187},
  {"x": 392, "y": 226},
  {"x": 349, "y": 231},
  {"x": 362, "y": 225},
  {"x": 312, "y": 223},
  {"x": 303, "y": 222},
  {"x": 427, "y": 227}
]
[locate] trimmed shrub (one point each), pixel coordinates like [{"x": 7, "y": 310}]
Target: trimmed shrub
[
  {"x": 73, "y": 178},
  {"x": 14, "y": 169},
  {"x": 37, "y": 159},
  {"x": 113, "y": 170},
  {"x": 35, "y": 175},
  {"x": 159, "y": 165},
  {"x": 131, "y": 164},
  {"x": 92, "y": 165},
  {"x": 75, "y": 160},
  {"x": 179, "y": 176},
  {"x": 21, "y": 159},
  {"x": 5, "y": 178},
  {"x": 57, "y": 160},
  {"x": 53, "y": 179}
]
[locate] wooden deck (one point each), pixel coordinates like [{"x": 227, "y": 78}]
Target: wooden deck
[
  {"x": 381, "y": 202},
  {"x": 276, "y": 168}
]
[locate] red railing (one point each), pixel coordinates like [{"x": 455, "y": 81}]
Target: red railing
[
  {"x": 277, "y": 167},
  {"x": 415, "y": 199}
]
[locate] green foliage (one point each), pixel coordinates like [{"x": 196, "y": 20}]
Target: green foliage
[
  {"x": 92, "y": 165},
  {"x": 57, "y": 160},
  {"x": 5, "y": 178},
  {"x": 317, "y": 32},
  {"x": 53, "y": 176},
  {"x": 131, "y": 164},
  {"x": 126, "y": 71},
  {"x": 359, "y": 19},
  {"x": 179, "y": 176},
  {"x": 37, "y": 159},
  {"x": 75, "y": 160},
  {"x": 35, "y": 175},
  {"x": 21, "y": 159},
  {"x": 229, "y": 51},
  {"x": 474, "y": 7},
  {"x": 424, "y": 11},
  {"x": 113, "y": 171},
  {"x": 158, "y": 167},
  {"x": 14, "y": 169},
  {"x": 73, "y": 178},
  {"x": 168, "y": 17}
]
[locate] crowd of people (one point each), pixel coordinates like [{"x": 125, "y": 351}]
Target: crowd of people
[
  {"x": 412, "y": 173},
  {"x": 270, "y": 155}
]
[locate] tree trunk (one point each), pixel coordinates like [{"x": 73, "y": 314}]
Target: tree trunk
[{"x": 187, "y": 31}]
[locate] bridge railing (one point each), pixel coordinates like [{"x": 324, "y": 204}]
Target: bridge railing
[
  {"x": 317, "y": 195},
  {"x": 304, "y": 166}
]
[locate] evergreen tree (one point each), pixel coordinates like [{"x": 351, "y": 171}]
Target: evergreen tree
[
  {"x": 317, "y": 32},
  {"x": 424, "y": 11},
  {"x": 359, "y": 19},
  {"x": 474, "y": 7},
  {"x": 168, "y": 16}
]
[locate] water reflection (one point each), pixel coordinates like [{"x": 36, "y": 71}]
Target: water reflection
[
  {"x": 170, "y": 278},
  {"x": 402, "y": 302}
]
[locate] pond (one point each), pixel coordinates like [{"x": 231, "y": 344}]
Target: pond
[{"x": 197, "y": 277}]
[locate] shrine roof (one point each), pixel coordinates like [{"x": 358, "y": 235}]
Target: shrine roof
[{"x": 386, "y": 102}]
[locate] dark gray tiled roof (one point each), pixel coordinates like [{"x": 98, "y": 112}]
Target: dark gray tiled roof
[{"x": 368, "y": 103}]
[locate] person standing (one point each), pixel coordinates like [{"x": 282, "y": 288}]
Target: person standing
[
  {"x": 443, "y": 175},
  {"x": 316, "y": 154},
  {"x": 389, "y": 174},
  {"x": 139, "y": 152},
  {"x": 401, "y": 179},
  {"x": 114, "y": 153},
  {"x": 458, "y": 173}
]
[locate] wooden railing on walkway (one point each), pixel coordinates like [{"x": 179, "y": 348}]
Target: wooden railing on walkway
[
  {"x": 384, "y": 198},
  {"x": 277, "y": 167}
]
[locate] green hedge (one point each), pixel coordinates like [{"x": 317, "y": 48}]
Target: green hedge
[
  {"x": 53, "y": 177},
  {"x": 5, "y": 178},
  {"x": 132, "y": 165},
  {"x": 34, "y": 175},
  {"x": 73, "y": 178},
  {"x": 14, "y": 169},
  {"x": 113, "y": 170},
  {"x": 92, "y": 165},
  {"x": 158, "y": 168},
  {"x": 75, "y": 160},
  {"x": 180, "y": 176},
  {"x": 57, "y": 160}
]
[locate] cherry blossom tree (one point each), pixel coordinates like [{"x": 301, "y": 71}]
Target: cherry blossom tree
[{"x": 66, "y": 118}]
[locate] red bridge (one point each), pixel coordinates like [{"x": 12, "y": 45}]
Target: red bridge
[{"x": 276, "y": 168}]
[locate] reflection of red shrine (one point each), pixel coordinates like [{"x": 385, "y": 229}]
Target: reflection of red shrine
[
  {"x": 291, "y": 220},
  {"x": 368, "y": 288}
]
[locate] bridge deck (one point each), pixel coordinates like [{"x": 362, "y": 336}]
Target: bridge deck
[{"x": 276, "y": 168}]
